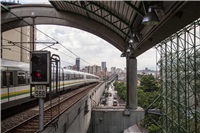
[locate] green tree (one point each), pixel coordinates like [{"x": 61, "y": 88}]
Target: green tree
[
  {"x": 153, "y": 129},
  {"x": 148, "y": 83},
  {"x": 139, "y": 76},
  {"x": 147, "y": 93},
  {"x": 121, "y": 90}
]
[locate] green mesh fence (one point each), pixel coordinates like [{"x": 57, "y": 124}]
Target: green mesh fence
[{"x": 179, "y": 66}]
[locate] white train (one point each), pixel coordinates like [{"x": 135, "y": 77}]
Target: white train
[{"x": 15, "y": 79}]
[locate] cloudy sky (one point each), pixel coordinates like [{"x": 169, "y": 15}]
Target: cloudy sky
[{"x": 89, "y": 47}]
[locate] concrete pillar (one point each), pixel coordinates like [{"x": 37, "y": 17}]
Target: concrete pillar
[{"x": 132, "y": 82}]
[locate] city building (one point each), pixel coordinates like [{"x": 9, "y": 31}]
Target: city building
[
  {"x": 78, "y": 64},
  {"x": 75, "y": 68},
  {"x": 103, "y": 75},
  {"x": 147, "y": 71},
  {"x": 17, "y": 53},
  {"x": 103, "y": 66},
  {"x": 87, "y": 69},
  {"x": 82, "y": 70},
  {"x": 90, "y": 69},
  {"x": 121, "y": 76},
  {"x": 113, "y": 70},
  {"x": 96, "y": 69},
  {"x": 68, "y": 67}
]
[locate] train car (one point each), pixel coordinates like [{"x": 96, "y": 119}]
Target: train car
[{"x": 15, "y": 82}]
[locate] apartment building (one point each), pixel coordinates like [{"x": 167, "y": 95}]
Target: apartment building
[{"x": 23, "y": 38}]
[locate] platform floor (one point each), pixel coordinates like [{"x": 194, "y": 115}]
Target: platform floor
[{"x": 137, "y": 128}]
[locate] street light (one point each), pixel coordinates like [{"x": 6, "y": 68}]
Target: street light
[
  {"x": 129, "y": 50},
  {"x": 123, "y": 54},
  {"x": 150, "y": 18}
]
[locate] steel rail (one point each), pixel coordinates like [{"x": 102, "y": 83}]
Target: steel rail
[{"x": 13, "y": 129}]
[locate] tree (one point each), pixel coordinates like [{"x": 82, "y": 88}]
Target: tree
[
  {"x": 121, "y": 90},
  {"x": 153, "y": 129},
  {"x": 148, "y": 83},
  {"x": 139, "y": 76}
]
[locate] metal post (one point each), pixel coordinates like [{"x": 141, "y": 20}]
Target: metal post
[
  {"x": 57, "y": 76},
  {"x": 185, "y": 67},
  {"x": 195, "y": 78},
  {"x": 33, "y": 33},
  {"x": 172, "y": 86},
  {"x": 178, "y": 83},
  {"x": 21, "y": 51},
  {"x": 50, "y": 91},
  {"x": 161, "y": 75},
  {"x": 1, "y": 49},
  {"x": 41, "y": 114},
  {"x": 166, "y": 88}
]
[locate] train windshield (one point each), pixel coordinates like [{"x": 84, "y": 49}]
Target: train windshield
[{"x": 21, "y": 78}]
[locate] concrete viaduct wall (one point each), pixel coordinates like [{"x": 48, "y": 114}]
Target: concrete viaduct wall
[{"x": 75, "y": 120}]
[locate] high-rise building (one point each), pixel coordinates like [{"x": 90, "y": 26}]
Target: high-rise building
[
  {"x": 113, "y": 70},
  {"x": 96, "y": 69},
  {"x": 78, "y": 64},
  {"x": 103, "y": 66},
  {"x": 75, "y": 68},
  {"x": 87, "y": 69},
  {"x": 16, "y": 53},
  {"x": 90, "y": 69}
]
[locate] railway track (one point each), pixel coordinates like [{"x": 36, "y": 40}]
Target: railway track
[{"x": 31, "y": 125}]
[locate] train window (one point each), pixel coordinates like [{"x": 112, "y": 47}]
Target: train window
[
  {"x": 21, "y": 78},
  {"x": 4, "y": 79},
  {"x": 28, "y": 78},
  {"x": 77, "y": 76},
  {"x": 65, "y": 77},
  {"x": 11, "y": 78},
  {"x": 72, "y": 76}
]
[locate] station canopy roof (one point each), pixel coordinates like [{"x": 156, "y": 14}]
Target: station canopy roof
[{"x": 125, "y": 18}]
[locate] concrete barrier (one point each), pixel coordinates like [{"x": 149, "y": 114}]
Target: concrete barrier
[
  {"x": 114, "y": 119},
  {"x": 77, "y": 118}
]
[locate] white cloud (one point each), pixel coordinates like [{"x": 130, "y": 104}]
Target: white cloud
[{"x": 89, "y": 47}]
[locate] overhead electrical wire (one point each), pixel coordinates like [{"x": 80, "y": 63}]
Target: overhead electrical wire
[
  {"x": 47, "y": 36},
  {"x": 22, "y": 33},
  {"x": 42, "y": 43},
  {"x": 17, "y": 45}
]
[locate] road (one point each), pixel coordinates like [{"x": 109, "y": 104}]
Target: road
[{"x": 110, "y": 99}]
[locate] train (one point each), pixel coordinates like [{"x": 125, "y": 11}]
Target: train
[{"x": 15, "y": 82}]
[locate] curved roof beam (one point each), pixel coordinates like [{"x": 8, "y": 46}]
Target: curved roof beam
[
  {"x": 46, "y": 14},
  {"x": 101, "y": 17}
]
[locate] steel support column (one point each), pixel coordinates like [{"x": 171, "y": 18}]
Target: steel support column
[{"x": 132, "y": 82}]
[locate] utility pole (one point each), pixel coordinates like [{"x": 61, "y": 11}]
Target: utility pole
[{"x": 33, "y": 26}]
